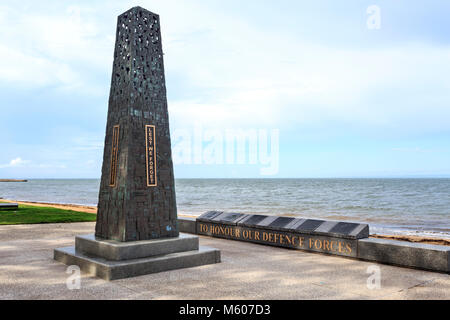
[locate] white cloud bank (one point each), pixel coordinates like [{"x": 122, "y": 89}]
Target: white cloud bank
[
  {"x": 45, "y": 48},
  {"x": 240, "y": 74},
  {"x": 260, "y": 78},
  {"x": 18, "y": 162}
]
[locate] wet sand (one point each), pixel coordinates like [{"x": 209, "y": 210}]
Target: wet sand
[
  {"x": 93, "y": 209},
  {"x": 417, "y": 239}
]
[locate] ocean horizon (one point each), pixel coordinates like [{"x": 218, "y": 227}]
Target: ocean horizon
[{"x": 403, "y": 206}]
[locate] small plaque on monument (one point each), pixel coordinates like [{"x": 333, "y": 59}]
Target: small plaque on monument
[
  {"x": 114, "y": 152},
  {"x": 151, "y": 155}
]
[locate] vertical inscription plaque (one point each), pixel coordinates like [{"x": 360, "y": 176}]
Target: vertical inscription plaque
[
  {"x": 150, "y": 145},
  {"x": 114, "y": 153}
]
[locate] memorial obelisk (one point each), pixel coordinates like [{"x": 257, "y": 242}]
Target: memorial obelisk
[
  {"x": 137, "y": 230},
  {"x": 137, "y": 191}
]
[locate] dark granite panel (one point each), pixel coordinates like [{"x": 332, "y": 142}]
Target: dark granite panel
[
  {"x": 344, "y": 228},
  {"x": 252, "y": 220},
  {"x": 229, "y": 218},
  {"x": 309, "y": 225},
  {"x": 209, "y": 216},
  {"x": 281, "y": 222}
]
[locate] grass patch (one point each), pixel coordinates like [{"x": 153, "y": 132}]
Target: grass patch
[{"x": 35, "y": 215}]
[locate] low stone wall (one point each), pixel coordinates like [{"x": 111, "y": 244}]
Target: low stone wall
[
  {"x": 338, "y": 238},
  {"x": 402, "y": 253},
  {"x": 187, "y": 225},
  {"x": 330, "y": 237}
]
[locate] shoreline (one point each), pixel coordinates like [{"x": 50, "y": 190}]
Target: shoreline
[{"x": 93, "y": 209}]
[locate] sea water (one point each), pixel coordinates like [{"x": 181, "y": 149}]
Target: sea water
[{"x": 390, "y": 206}]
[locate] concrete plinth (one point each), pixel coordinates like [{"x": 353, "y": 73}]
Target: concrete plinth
[
  {"x": 117, "y": 251},
  {"x": 112, "y": 260}
]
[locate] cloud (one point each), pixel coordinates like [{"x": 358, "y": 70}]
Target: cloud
[
  {"x": 31, "y": 71},
  {"x": 240, "y": 73},
  {"x": 53, "y": 48},
  {"x": 18, "y": 162},
  {"x": 281, "y": 80}
]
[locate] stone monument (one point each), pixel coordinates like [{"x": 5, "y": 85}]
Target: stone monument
[{"x": 137, "y": 230}]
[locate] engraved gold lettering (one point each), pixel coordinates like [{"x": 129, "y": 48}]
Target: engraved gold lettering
[
  {"x": 349, "y": 248},
  {"x": 332, "y": 242},
  {"x": 114, "y": 157},
  {"x": 278, "y": 238},
  {"x": 326, "y": 245},
  {"x": 318, "y": 244},
  {"x": 150, "y": 147},
  {"x": 293, "y": 241}
]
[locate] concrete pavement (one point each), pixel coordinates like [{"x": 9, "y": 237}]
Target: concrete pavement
[{"x": 247, "y": 271}]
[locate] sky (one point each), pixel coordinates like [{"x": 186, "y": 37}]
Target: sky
[{"x": 325, "y": 88}]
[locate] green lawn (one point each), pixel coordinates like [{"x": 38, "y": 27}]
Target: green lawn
[{"x": 33, "y": 215}]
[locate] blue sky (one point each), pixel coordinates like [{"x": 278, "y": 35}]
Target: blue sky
[{"x": 348, "y": 101}]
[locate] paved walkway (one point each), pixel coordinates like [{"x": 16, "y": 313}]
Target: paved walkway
[{"x": 247, "y": 271}]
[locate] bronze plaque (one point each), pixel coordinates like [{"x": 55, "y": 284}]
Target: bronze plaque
[
  {"x": 114, "y": 156},
  {"x": 150, "y": 146}
]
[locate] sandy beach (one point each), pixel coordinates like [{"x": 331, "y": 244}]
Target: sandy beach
[{"x": 93, "y": 209}]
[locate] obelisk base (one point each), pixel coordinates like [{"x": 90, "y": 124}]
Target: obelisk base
[{"x": 113, "y": 260}]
